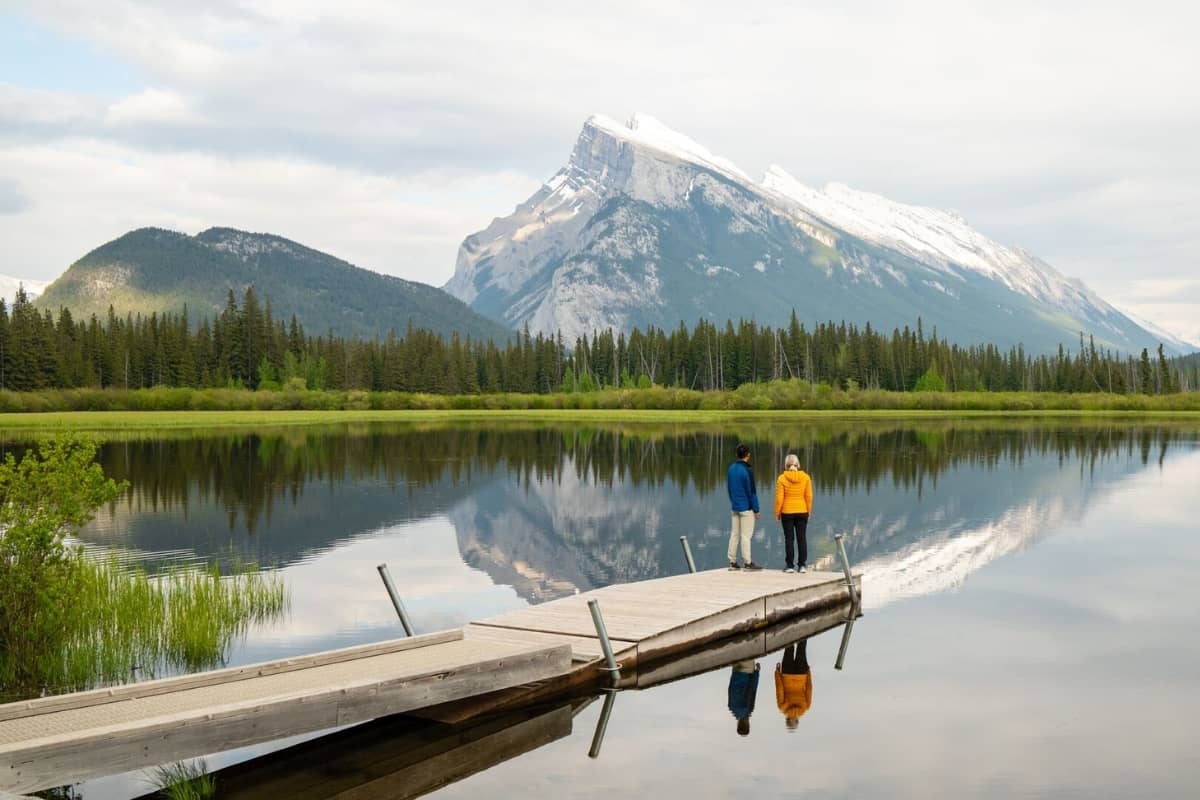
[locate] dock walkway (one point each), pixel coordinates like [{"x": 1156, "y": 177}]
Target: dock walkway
[{"x": 533, "y": 651}]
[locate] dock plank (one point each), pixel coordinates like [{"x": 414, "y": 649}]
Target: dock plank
[
  {"x": 143, "y": 731},
  {"x": 583, "y": 648}
]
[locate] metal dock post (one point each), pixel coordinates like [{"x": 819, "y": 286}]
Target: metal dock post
[
  {"x": 854, "y": 600},
  {"x": 396, "y": 601},
  {"x": 613, "y": 667},
  {"x": 610, "y": 696},
  {"x": 687, "y": 554}
]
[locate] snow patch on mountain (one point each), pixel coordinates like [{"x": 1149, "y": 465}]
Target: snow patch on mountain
[
  {"x": 243, "y": 245},
  {"x": 1186, "y": 344},
  {"x": 646, "y": 131},
  {"x": 547, "y": 265},
  {"x": 9, "y": 286},
  {"x": 943, "y": 561},
  {"x": 938, "y": 238}
]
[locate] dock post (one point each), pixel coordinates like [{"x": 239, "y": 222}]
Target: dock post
[
  {"x": 396, "y": 601},
  {"x": 613, "y": 667},
  {"x": 841, "y": 656},
  {"x": 687, "y": 554},
  {"x": 610, "y": 696},
  {"x": 846, "y": 568}
]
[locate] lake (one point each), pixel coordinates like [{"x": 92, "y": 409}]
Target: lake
[{"x": 1029, "y": 586}]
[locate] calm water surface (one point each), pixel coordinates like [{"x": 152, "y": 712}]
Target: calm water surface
[{"x": 1030, "y": 589}]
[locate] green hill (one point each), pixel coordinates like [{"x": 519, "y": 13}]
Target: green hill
[{"x": 151, "y": 269}]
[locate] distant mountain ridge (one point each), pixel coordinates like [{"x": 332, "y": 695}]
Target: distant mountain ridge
[
  {"x": 156, "y": 270},
  {"x": 9, "y": 286},
  {"x": 644, "y": 226}
]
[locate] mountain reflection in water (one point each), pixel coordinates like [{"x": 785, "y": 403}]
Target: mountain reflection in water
[{"x": 553, "y": 509}]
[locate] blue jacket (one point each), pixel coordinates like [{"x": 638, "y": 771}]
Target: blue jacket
[
  {"x": 743, "y": 687},
  {"x": 742, "y": 494}
]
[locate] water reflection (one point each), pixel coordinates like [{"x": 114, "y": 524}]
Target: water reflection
[
  {"x": 743, "y": 692},
  {"x": 554, "y": 510},
  {"x": 1066, "y": 645},
  {"x": 793, "y": 683},
  {"x": 407, "y": 756}
]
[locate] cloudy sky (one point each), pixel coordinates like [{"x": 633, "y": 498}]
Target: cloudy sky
[{"x": 385, "y": 132}]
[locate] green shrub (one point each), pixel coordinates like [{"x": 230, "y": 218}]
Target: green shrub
[{"x": 67, "y": 622}]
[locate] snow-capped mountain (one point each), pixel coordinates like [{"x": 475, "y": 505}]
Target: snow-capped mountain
[
  {"x": 9, "y": 286},
  {"x": 644, "y": 226}
]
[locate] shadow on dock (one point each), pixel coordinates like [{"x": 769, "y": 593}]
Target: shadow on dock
[{"x": 406, "y": 756}]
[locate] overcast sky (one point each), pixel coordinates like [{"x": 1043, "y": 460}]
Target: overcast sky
[{"x": 386, "y": 132}]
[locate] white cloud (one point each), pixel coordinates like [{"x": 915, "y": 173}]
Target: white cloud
[
  {"x": 89, "y": 192},
  {"x": 149, "y": 106}
]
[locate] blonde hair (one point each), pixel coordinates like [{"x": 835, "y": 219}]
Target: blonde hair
[{"x": 792, "y": 461}]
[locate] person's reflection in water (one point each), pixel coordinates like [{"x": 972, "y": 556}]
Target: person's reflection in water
[
  {"x": 793, "y": 683},
  {"x": 743, "y": 686}
]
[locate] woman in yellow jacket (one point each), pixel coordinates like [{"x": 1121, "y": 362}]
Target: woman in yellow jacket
[
  {"x": 793, "y": 683},
  {"x": 793, "y": 503}
]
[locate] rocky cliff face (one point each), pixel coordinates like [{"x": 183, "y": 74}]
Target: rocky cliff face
[{"x": 646, "y": 227}]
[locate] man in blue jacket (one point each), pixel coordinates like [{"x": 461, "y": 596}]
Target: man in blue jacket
[{"x": 743, "y": 501}]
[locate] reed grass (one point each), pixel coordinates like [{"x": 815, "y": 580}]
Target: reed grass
[
  {"x": 185, "y": 781},
  {"x": 124, "y": 622}
]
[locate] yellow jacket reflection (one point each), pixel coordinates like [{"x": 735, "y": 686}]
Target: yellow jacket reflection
[{"x": 793, "y": 683}]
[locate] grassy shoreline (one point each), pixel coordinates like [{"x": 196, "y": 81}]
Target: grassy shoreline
[
  {"x": 177, "y": 408},
  {"x": 163, "y": 420}
]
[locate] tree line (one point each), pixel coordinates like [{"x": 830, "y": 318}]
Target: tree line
[{"x": 247, "y": 346}]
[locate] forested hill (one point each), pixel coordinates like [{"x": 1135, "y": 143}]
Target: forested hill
[
  {"x": 151, "y": 269},
  {"x": 1188, "y": 368}
]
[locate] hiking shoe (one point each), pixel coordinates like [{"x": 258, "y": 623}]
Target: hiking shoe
[
  {"x": 752, "y": 565},
  {"x": 789, "y": 569},
  {"x": 734, "y": 565}
]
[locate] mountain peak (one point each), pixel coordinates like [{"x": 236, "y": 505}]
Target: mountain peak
[
  {"x": 647, "y": 131},
  {"x": 645, "y": 226},
  {"x": 246, "y": 245},
  {"x": 155, "y": 270}
]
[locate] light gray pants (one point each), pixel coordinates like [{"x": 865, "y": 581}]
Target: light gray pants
[{"x": 742, "y": 530}]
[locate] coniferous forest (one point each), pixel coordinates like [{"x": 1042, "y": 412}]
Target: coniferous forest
[{"x": 245, "y": 346}]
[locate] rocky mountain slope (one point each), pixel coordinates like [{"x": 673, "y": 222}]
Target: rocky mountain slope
[
  {"x": 152, "y": 269},
  {"x": 646, "y": 227}
]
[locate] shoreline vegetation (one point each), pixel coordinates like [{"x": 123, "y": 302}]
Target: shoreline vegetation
[
  {"x": 69, "y": 621},
  {"x": 144, "y": 407}
]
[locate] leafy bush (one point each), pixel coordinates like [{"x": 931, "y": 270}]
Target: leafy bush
[
  {"x": 68, "y": 622},
  {"x": 48, "y": 495}
]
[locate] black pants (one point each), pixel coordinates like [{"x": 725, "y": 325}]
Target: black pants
[
  {"x": 795, "y": 526},
  {"x": 795, "y": 658}
]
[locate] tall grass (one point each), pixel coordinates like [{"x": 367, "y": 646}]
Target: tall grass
[
  {"x": 185, "y": 781},
  {"x": 774, "y": 395},
  {"x": 124, "y": 619}
]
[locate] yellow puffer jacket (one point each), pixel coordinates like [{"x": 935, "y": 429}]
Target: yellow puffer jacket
[
  {"x": 793, "y": 492},
  {"x": 793, "y": 693}
]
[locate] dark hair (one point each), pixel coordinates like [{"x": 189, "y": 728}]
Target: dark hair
[{"x": 743, "y": 450}]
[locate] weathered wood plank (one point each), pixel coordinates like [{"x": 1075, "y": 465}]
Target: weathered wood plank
[
  {"x": 783, "y": 606},
  {"x": 583, "y": 648},
  {"x": 45, "y": 705},
  {"x": 80, "y": 753},
  {"x": 756, "y": 644}
]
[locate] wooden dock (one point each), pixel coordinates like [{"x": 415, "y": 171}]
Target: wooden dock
[
  {"x": 404, "y": 756},
  {"x": 491, "y": 665}
]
